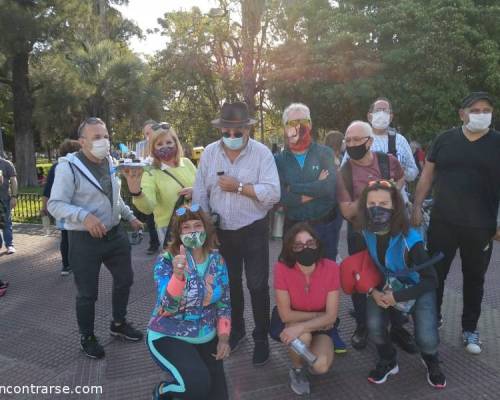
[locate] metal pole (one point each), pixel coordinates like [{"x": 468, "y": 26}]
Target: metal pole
[{"x": 261, "y": 117}]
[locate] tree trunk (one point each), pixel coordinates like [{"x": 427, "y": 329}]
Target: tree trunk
[{"x": 23, "y": 113}]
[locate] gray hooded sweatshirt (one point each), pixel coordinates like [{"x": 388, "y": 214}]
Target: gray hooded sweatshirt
[{"x": 76, "y": 193}]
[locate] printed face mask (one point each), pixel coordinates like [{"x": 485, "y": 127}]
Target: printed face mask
[
  {"x": 381, "y": 120},
  {"x": 307, "y": 257},
  {"x": 194, "y": 240},
  {"x": 379, "y": 219},
  {"x": 166, "y": 153},
  {"x": 100, "y": 148},
  {"x": 299, "y": 139},
  {"x": 479, "y": 122}
]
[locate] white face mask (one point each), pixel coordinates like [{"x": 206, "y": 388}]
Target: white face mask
[
  {"x": 479, "y": 122},
  {"x": 100, "y": 148},
  {"x": 381, "y": 120}
]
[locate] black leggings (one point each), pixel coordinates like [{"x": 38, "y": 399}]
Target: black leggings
[{"x": 197, "y": 374}]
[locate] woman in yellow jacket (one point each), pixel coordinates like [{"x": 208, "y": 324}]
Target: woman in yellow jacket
[{"x": 157, "y": 188}]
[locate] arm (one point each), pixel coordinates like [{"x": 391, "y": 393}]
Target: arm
[
  {"x": 59, "y": 204},
  {"x": 407, "y": 160},
  {"x": 125, "y": 211},
  {"x": 146, "y": 202},
  {"x": 223, "y": 311},
  {"x": 267, "y": 189},
  {"x": 286, "y": 313},
  {"x": 174, "y": 287},
  {"x": 200, "y": 189},
  {"x": 424, "y": 184},
  {"x": 287, "y": 198}
]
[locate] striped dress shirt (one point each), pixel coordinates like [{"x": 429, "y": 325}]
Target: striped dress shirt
[{"x": 255, "y": 165}]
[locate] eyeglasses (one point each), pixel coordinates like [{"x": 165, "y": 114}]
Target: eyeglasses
[
  {"x": 296, "y": 122},
  {"x": 387, "y": 110},
  {"x": 161, "y": 125},
  {"x": 183, "y": 210},
  {"x": 382, "y": 182},
  {"x": 356, "y": 139},
  {"x": 310, "y": 244},
  {"x": 89, "y": 121},
  {"x": 235, "y": 134}
]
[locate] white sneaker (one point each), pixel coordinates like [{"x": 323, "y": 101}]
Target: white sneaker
[
  {"x": 471, "y": 342},
  {"x": 11, "y": 250}
]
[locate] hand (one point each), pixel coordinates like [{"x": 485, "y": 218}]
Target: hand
[
  {"x": 223, "y": 348},
  {"x": 180, "y": 263},
  {"x": 388, "y": 298},
  {"x": 323, "y": 175},
  {"x": 416, "y": 216},
  {"x": 379, "y": 299},
  {"x": 497, "y": 235},
  {"x": 228, "y": 183},
  {"x": 133, "y": 176},
  {"x": 136, "y": 224},
  {"x": 94, "y": 226},
  {"x": 186, "y": 192},
  {"x": 292, "y": 332},
  {"x": 13, "y": 203}
]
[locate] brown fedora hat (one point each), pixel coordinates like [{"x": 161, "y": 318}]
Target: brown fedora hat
[{"x": 234, "y": 115}]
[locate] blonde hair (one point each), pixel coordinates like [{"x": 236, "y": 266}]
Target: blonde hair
[{"x": 159, "y": 134}]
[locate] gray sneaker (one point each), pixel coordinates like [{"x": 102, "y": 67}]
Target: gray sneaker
[{"x": 298, "y": 381}]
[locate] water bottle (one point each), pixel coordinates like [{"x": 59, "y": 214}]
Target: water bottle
[
  {"x": 278, "y": 224},
  {"x": 301, "y": 349},
  {"x": 46, "y": 224}
]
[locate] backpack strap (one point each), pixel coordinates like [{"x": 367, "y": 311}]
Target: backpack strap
[
  {"x": 346, "y": 173},
  {"x": 384, "y": 165},
  {"x": 391, "y": 138}
]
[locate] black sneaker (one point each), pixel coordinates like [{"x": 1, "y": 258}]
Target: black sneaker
[
  {"x": 91, "y": 347},
  {"x": 404, "y": 339},
  {"x": 126, "y": 331},
  {"x": 235, "y": 340},
  {"x": 260, "y": 352},
  {"x": 65, "y": 271},
  {"x": 359, "y": 339},
  {"x": 382, "y": 371},
  {"x": 435, "y": 376}
]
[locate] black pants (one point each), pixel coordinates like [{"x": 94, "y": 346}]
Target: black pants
[
  {"x": 64, "y": 248},
  {"x": 86, "y": 254},
  {"x": 197, "y": 374},
  {"x": 149, "y": 220},
  {"x": 248, "y": 246},
  {"x": 355, "y": 244},
  {"x": 475, "y": 246}
]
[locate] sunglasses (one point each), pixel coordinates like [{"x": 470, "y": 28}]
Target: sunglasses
[
  {"x": 235, "y": 134},
  {"x": 89, "y": 121},
  {"x": 161, "y": 125},
  {"x": 296, "y": 122},
  {"x": 183, "y": 210},
  {"x": 382, "y": 182}
]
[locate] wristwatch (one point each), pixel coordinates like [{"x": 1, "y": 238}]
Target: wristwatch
[{"x": 240, "y": 188}]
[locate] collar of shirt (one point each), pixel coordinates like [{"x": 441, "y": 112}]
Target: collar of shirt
[{"x": 243, "y": 151}]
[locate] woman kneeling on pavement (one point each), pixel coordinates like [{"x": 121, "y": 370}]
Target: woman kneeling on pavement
[
  {"x": 307, "y": 297},
  {"x": 188, "y": 334},
  {"x": 397, "y": 252}
]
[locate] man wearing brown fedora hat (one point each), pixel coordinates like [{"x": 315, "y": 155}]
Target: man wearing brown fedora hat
[{"x": 237, "y": 182}]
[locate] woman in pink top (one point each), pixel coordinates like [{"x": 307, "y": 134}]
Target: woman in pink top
[{"x": 307, "y": 299}]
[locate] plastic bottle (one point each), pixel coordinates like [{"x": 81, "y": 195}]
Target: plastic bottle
[{"x": 301, "y": 349}]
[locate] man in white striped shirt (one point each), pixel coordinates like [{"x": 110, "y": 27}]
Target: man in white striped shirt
[{"x": 237, "y": 180}]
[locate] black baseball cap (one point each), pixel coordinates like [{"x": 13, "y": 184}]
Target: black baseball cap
[{"x": 476, "y": 96}]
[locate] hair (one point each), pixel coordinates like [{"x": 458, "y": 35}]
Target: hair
[
  {"x": 87, "y": 121},
  {"x": 380, "y": 99},
  {"x": 399, "y": 220},
  {"x": 148, "y": 122},
  {"x": 161, "y": 133},
  {"x": 68, "y": 146},
  {"x": 175, "y": 242},
  {"x": 334, "y": 139},
  {"x": 365, "y": 125},
  {"x": 287, "y": 256},
  {"x": 295, "y": 107}
]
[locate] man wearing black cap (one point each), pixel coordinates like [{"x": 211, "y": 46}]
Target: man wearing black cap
[
  {"x": 237, "y": 181},
  {"x": 463, "y": 166}
]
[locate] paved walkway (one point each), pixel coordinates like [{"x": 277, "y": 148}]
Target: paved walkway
[{"x": 39, "y": 340}]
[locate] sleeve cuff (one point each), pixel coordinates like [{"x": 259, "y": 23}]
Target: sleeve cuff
[
  {"x": 224, "y": 326},
  {"x": 175, "y": 286}
]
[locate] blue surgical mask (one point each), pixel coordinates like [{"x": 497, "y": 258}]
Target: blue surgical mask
[{"x": 233, "y": 143}]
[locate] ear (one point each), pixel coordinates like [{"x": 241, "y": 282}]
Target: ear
[
  {"x": 369, "y": 116},
  {"x": 463, "y": 116}
]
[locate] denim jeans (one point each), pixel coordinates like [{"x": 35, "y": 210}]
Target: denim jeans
[
  {"x": 424, "y": 314},
  {"x": 7, "y": 230}
]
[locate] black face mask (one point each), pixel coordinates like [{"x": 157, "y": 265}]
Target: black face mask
[
  {"x": 307, "y": 257},
  {"x": 379, "y": 219},
  {"x": 357, "y": 152}
]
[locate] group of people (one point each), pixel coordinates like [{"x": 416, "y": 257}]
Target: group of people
[{"x": 212, "y": 222}]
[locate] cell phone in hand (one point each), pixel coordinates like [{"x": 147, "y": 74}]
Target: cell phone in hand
[{"x": 220, "y": 173}]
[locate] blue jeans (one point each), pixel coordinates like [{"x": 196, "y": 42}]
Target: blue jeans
[
  {"x": 424, "y": 314},
  {"x": 7, "y": 230},
  {"x": 329, "y": 235}
]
